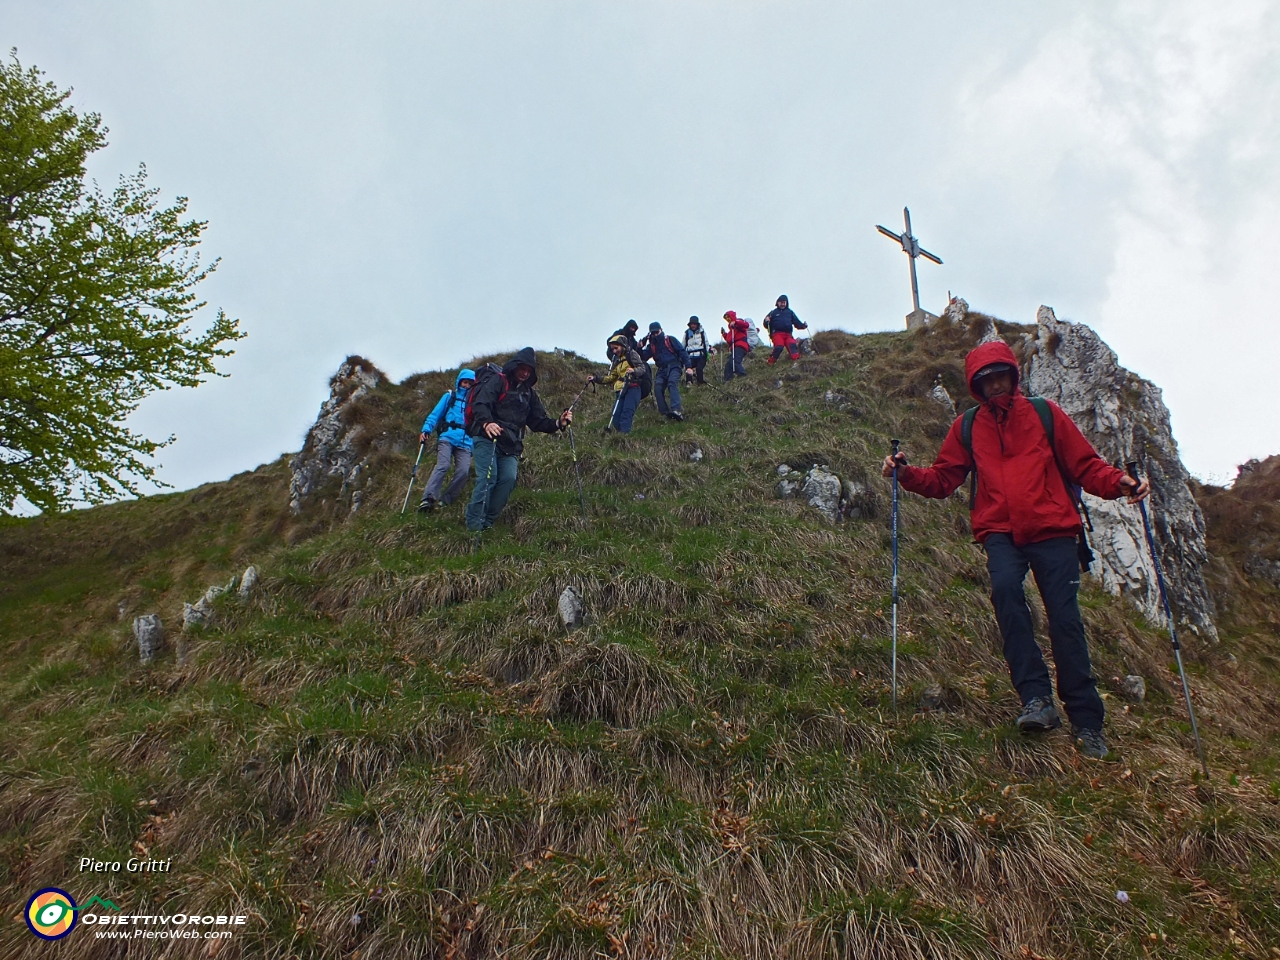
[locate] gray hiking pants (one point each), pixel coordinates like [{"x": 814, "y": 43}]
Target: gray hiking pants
[{"x": 447, "y": 453}]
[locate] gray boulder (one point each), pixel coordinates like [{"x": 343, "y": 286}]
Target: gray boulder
[
  {"x": 786, "y": 489},
  {"x": 1133, "y": 687},
  {"x": 1125, "y": 418},
  {"x": 821, "y": 490},
  {"x": 573, "y": 613},
  {"x": 940, "y": 396},
  {"x": 248, "y": 581},
  {"x": 148, "y": 631}
]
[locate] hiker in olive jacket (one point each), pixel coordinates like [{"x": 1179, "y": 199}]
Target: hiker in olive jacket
[
  {"x": 625, "y": 377},
  {"x": 501, "y": 408}
]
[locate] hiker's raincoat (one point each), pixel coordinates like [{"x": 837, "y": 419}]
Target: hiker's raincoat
[
  {"x": 625, "y": 370},
  {"x": 736, "y": 335},
  {"x": 451, "y": 411},
  {"x": 1020, "y": 489},
  {"x": 519, "y": 408}
]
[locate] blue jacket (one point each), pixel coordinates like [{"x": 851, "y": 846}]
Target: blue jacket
[
  {"x": 666, "y": 352},
  {"x": 451, "y": 410},
  {"x": 782, "y": 320}
]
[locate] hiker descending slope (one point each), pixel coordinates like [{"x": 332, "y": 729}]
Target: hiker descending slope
[
  {"x": 503, "y": 403},
  {"x": 1026, "y": 456},
  {"x": 736, "y": 338},
  {"x": 698, "y": 348},
  {"x": 449, "y": 416},
  {"x": 671, "y": 360},
  {"x": 780, "y": 323},
  {"x": 627, "y": 330},
  {"x": 624, "y": 376}
]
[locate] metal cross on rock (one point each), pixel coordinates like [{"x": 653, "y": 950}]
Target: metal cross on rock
[{"x": 912, "y": 249}]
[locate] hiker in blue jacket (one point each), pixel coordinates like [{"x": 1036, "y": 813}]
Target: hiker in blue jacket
[
  {"x": 454, "y": 446},
  {"x": 672, "y": 362}
]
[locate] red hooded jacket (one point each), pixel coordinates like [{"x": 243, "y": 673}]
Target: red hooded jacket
[
  {"x": 736, "y": 335},
  {"x": 1020, "y": 489}
]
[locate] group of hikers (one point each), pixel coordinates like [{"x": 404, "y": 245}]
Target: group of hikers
[{"x": 1025, "y": 458}]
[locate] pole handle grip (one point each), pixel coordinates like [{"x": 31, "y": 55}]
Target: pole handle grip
[
  {"x": 1131, "y": 468},
  {"x": 895, "y": 446}
]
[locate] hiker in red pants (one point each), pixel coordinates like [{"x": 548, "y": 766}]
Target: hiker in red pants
[{"x": 780, "y": 323}]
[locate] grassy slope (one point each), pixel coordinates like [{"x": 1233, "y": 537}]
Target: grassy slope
[{"x": 394, "y": 750}]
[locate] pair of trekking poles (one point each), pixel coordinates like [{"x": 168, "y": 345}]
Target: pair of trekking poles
[{"x": 1132, "y": 469}]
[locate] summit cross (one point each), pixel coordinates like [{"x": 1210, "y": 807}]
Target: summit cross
[{"x": 912, "y": 249}]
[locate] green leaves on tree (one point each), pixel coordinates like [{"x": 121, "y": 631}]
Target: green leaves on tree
[{"x": 96, "y": 300}]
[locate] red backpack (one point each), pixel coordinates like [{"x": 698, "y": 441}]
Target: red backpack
[{"x": 483, "y": 376}]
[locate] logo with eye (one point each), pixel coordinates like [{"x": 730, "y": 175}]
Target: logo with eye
[{"x": 51, "y": 913}]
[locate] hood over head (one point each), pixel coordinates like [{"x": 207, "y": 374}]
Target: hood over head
[
  {"x": 525, "y": 356},
  {"x": 620, "y": 340},
  {"x": 631, "y": 326},
  {"x": 782, "y": 298},
  {"x": 464, "y": 374},
  {"x": 730, "y": 315},
  {"x": 984, "y": 355}
]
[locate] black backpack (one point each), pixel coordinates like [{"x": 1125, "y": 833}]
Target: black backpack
[
  {"x": 1074, "y": 490},
  {"x": 483, "y": 376}
]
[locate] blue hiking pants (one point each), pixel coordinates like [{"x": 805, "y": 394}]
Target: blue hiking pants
[
  {"x": 667, "y": 381},
  {"x": 625, "y": 408},
  {"x": 1057, "y": 572},
  {"x": 495, "y": 479}
]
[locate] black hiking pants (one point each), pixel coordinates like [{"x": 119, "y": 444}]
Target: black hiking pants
[
  {"x": 699, "y": 363},
  {"x": 1057, "y": 572}
]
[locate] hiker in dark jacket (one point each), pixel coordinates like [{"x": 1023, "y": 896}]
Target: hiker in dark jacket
[
  {"x": 454, "y": 446},
  {"x": 627, "y": 330},
  {"x": 500, "y": 411},
  {"x": 669, "y": 356},
  {"x": 1026, "y": 518},
  {"x": 780, "y": 323},
  {"x": 698, "y": 349}
]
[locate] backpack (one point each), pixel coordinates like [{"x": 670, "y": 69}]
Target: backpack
[
  {"x": 753, "y": 335},
  {"x": 483, "y": 376},
  {"x": 1074, "y": 490},
  {"x": 441, "y": 424}
]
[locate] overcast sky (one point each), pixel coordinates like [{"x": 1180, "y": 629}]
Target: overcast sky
[{"x": 421, "y": 182}]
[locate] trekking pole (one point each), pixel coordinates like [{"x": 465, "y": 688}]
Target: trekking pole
[
  {"x": 616, "y": 403},
  {"x": 573, "y": 447},
  {"x": 413, "y": 473},
  {"x": 578, "y": 472},
  {"x": 1132, "y": 468},
  {"x": 488, "y": 492},
  {"x": 894, "y": 648}
]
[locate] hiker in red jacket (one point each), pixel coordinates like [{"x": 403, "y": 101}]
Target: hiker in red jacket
[
  {"x": 739, "y": 347},
  {"x": 1026, "y": 518}
]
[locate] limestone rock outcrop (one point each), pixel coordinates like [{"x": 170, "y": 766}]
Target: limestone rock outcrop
[
  {"x": 1125, "y": 418},
  {"x": 337, "y": 444},
  {"x": 148, "y": 631}
]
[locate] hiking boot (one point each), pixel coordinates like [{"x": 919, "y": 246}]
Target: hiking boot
[
  {"x": 677, "y": 415},
  {"x": 1039, "y": 715},
  {"x": 1091, "y": 744},
  {"x": 771, "y": 361},
  {"x": 426, "y": 506}
]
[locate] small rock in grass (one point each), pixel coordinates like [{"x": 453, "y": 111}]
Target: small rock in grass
[
  {"x": 1134, "y": 688},
  {"x": 573, "y": 613},
  {"x": 149, "y": 632}
]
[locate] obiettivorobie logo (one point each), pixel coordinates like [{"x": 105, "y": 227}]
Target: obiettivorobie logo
[{"x": 51, "y": 912}]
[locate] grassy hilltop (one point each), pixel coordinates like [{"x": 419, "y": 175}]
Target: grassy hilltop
[{"x": 393, "y": 749}]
